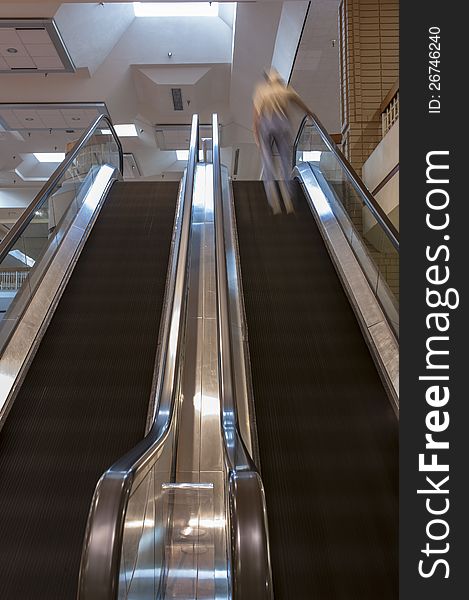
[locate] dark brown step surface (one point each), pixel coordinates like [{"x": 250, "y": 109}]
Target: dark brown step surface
[
  {"x": 84, "y": 401},
  {"x": 328, "y": 437}
]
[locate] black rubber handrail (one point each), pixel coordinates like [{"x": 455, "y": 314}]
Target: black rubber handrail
[
  {"x": 20, "y": 225},
  {"x": 250, "y": 565},
  {"x": 376, "y": 210},
  {"x": 101, "y": 558}
]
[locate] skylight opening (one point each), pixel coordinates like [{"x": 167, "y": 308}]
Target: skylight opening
[
  {"x": 176, "y": 9},
  {"x": 49, "y": 157},
  {"x": 123, "y": 130}
]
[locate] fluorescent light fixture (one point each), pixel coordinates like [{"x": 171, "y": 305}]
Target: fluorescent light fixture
[
  {"x": 49, "y": 157},
  {"x": 22, "y": 257},
  {"x": 184, "y": 155},
  {"x": 176, "y": 9},
  {"x": 123, "y": 130},
  {"x": 312, "y": 156}
]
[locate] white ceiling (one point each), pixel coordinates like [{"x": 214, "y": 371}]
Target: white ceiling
[
  {"x": 18, "y": 118},
  {"x": 316, "y": 73},
  {"x": 123, "y": 62}
]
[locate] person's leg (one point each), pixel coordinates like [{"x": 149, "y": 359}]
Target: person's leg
[
  {"x": 283, "y": 142},
  {"x": 268, "y": 176}
]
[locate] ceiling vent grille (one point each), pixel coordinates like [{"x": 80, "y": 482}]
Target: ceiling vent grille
[{"x": 177, "y": 98}]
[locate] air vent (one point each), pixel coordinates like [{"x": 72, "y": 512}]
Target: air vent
[
  {"x": 236, "y": 162},
  {"x": 177, "y": 98}
]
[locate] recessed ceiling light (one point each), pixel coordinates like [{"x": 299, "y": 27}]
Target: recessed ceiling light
[
  {"x": 49, "y": 157},
  {"x": 123, "y": 130},
  {"x": 311, "y": 155},
  {"x": 75, "y": 118},
  {"x": 184, "y": 155},
  {"x": 28, "y": 119},
  {"x": 12, "y": 50}
]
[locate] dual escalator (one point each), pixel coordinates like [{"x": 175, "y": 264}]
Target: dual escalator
[{"x": 325, "y": 433}]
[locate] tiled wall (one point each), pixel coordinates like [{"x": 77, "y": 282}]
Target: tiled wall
[{"x": 369, "y": 66}]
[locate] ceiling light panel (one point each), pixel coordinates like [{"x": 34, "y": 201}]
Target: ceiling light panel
[
  {"x": 32, "y": 45},
  {"x": 49, "y": 157},
  {"x": 176, "y": 9},
  {"x": 30, "y": 117},
  {"x": 123, "y": 130}
]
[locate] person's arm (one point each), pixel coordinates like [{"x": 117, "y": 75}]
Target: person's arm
[
  {"x": 296, "y": 99},
  {"x": 255, "y": 125}
]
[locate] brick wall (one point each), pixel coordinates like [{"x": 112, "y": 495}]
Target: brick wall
[{"x": 369, "y": 66}]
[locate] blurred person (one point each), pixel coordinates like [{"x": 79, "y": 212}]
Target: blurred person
[{"x": 271, "y": 125}]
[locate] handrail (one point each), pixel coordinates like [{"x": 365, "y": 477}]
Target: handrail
[
  {"x": 21, "y": 224},
  {"x": 389, "y": 96},
  {"x": 368, "y": 199},
  {"x": 99, "y": 571},
  {"x": 251, "y": 570}
]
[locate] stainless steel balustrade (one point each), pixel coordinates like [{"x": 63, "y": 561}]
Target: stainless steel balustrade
[
  {"x": 37, "y": 234},
  {"x": 337, "y": 193},
  {"x": 117, "y": 522},
  {"x": 251, "y": 572},
  {"x": 21, "y": 224},
  {"x": 383, "y": 220},
  {"x": 46, "y": 241}
]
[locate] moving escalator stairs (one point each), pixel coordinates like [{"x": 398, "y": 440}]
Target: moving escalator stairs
[
  {"x": 328, "y": 436},
  {"x": 84, "y": 400}
]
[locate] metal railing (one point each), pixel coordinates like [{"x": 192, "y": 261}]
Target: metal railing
[
  {"x": 375, "y": 209},
  {"x": 21, "y": 224},
  {"x": 35, "y": 239},
  {"x": 12, "y": 280},
  {"x": 389, "y": 109},
  {"x": 101, "y": 557},
  {"x": 250, "y": 566},
  {"x": 390, "y": 115}
]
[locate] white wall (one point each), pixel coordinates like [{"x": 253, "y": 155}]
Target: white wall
[
  {"x": 17, "y": 197},
  {"x": 381, "y": 162},
  {"x": 90, "y": 31},
  {"x": 288, "y": 35}
]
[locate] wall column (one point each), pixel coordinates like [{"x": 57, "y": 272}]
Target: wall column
[{"x": 369, "y": 66}]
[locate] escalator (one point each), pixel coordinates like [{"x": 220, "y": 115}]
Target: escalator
[
  {"x": 327, "y": 431},
  {"x": 84, "y": 401}
]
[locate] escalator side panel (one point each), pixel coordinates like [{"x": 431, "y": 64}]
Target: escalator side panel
[
  {"x": 327, "y": 431},
  {"x": 84, "y": 401}
]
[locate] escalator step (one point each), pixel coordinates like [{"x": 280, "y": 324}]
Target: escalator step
[
  {"x": 84, "y": 400},
  {"x": 327, "y": 432}
]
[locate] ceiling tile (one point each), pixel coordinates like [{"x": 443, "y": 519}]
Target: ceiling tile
[
  {"x": 48, "y": 62},
  {"x": 9, "y": 118},
  {"x": 9, "y": 36},
  {"x": 3, "y": 64},
  {"x": 53, "y": 119},
  {"x": 20, "y": 62},
  {"x": 78, "y": 118},
  {"x": 21, "y": 50},
  {"x": 28, "y": 118},
  {"x": 41, "y": 50},
  {"x": 33, "y": 36}
]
